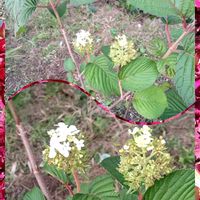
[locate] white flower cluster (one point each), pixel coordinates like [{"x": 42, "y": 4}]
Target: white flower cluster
[
  {"x": 143, "y": 137},
  {"x": 63, "y": 138},
  {"x": 83, "y": 42}
]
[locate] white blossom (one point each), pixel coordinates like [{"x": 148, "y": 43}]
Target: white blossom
[
  {"x": 61, "y": 139},
  {"x": 134, "y": 131},
  {"x": 79, "y": 144},
  {"x": 83, "y": 38},
  {"x": 122, "y": 40},
  {"x": 126, "y": 147}
]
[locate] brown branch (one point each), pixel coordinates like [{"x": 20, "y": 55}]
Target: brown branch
[
  {"x": 69, "y": 190},
  {"x": 129, "y": 105},
  {"x": 174, "y": 46},
  {"x": 168, "y": 34},
  {"x": 184, "y": 23},
  {"x": 120, "y": 100},
  {"x": 29, "y": 151},
  {"x": 66, "y": 41},
  {"x": 76, "y": 179},
  {"x": 140, "y": 197}
]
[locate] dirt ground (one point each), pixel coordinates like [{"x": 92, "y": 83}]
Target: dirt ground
[
  {"x": 39, "y": 53},
  {"x": 42, "y": 106}
]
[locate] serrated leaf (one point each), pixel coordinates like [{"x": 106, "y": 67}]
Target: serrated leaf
[
  {"x": 20, "y": 11},
  {"x": 61, "y": 9},
  {"x": 34, "y": 194},
  {"x": 164, "y": 65},
  {"x": 101, "y": 188},
  {"x": 59, "y": 174},
  {"x": 157, "y": 47},
  {"x": 150, "y": 103},
  {"x": 178, "y": 185},
  {"x": 81, "y": 2},
  {"x": 163, "y": 8},
  {"x": 175, "y": 104},
  {"x": 69, "y": 65},
  {"x": 101, "y": 76},
  {"x": 184, "y": 78},
  {"x": 139, "y": 74},
  {"x": 111, "y": 165}
]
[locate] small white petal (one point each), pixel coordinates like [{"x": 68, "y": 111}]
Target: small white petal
[
  {"x": 126, "y": 147},
  {"x": 52, "y": 153}
]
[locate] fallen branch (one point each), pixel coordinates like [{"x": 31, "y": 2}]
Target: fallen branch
[{"x": 29, "y": 151}]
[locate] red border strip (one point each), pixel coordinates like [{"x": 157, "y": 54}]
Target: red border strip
[
  {"x": 104, "y": 107},
  {"x": 2, "y": 110}
]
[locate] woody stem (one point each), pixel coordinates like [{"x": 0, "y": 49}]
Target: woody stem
[{"x": 77, "y": 181}]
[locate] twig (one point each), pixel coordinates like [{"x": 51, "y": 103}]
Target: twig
[
  {"x": 66, "y": 41},
  {"x": 168, "y": 34},
  {"x": 69, "y": 190},
  {"x": 175, "y": 45},
  {"x": 29, "y": 151},
  {"x": 184, "y": 23},
  {"x": 121, "y": 99},
  {"x": 129, "y": 105},
  {"x": 140, "y": 197},
  {"x": 76, "y": 179}
]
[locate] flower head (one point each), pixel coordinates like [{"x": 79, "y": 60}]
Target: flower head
[
  {"x": 144, "y": 159},
  {"x": 66, "y": 147},
  {"x": 83, "y": 42},
  {"x": 122, "y": 51}
]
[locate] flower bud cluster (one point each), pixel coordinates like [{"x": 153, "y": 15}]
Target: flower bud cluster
[
  {"x": 144, "y": 159},
  {"x": 66, "y": 149},
  {"x": 122, "y": 51},
  {"x": 83, "y": 42}
]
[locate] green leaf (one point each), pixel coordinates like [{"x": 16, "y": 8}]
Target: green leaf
[
  {"x": 124, "y": 195},
  {"x": 184, "y": 78},
  {"x": 167, "y": 66},
  {"x": 157, "y": 47},
  {"x": 34, "y": 194},
  {"x": 111, "y": 165},
  {"x": 69, "y": 65},
  {"x": 20, "y": 11},
  {"x": 101, "y": 188},
  {"x": 70, "y": 77},
  {"x": 106, "y": 50},
  {"x": 150, "y": 103},
  {"x": 61, "y": 9},
  {"x": 178, "y": 185},
  {"x": 163, "y": 8},
  {"x": 139, "y": 74},
  {"x": 171, "y": 20},
  {"x": 101, "y": 76},
  {"x": 175, "y": 104},
  {"x": 59, "y": 174},
  {"x": 81, "y": 2}
]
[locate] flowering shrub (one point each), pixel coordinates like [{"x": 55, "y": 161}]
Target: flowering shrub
[
  {"x": 143, "y": 168},
  {"x": 154, "y": 82}
]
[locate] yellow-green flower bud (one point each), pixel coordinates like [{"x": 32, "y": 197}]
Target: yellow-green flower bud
[
  {"x": 143, "y": 163},
  {"x": 122, "y": 51}
]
